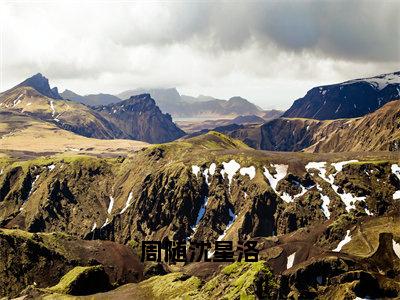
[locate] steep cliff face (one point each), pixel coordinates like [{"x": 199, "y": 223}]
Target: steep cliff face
[
  {"x": 349, "y": 99},
  {"x": 377, "y": 131},
  {"x": 317, "y": 217},
  {"x": 139, "y": 118},
  {"x": 176, "y": 191}
]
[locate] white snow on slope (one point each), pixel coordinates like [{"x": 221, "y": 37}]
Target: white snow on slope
[
  {"x": 110, "y": 206},
  {"x": 51, "y": 167},
  {"x": 195, "y": 170},
  {"x": 33, "y": 185},
  {"x": 396, "y": 171},
  {"x": 396, "y": 248},
  {"x": 212, "y": 169},
  {"x": 200, "y": 215},
  {"x": 17, "y": 101},
  {"x": 396, "y": 195},
  {"x": 290, "y": 260},
  {"x": 251, "y": 171},
  {"x": 233, "y": 218},
  {"x": 230, "y": 168},
  {"x": 378, "y": 82},
  {"x": 347, "y": 198},
  {"x": 346, "y": 240},
  {"x": 281, "y": 171},
  {"x": 105, "y": 223},
  {"x": 128, "y": 203},
  {"x": 325, "y": 203},
  {"x": 53, "y": 110},
  {"x": 205, "y": 174},
  {"x": 339, "y": 165}
]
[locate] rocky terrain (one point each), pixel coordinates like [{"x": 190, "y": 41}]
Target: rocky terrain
[
  {"x": 377, "y": 131},
  {"x": 74, "y": 211},
  {"x": 139, "y": 118},
  {"x": 350, "y": 99},
  {"x": 325, "y": 223}
]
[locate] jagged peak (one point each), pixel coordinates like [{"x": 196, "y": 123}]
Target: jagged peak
[{"x": 41, "y": 84}]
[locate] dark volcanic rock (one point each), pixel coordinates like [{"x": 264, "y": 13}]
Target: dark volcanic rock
[
  {"x": 140, "y": 118},
  {"x": 349, "y": 99},
  {"x": 41, "y": 84}
]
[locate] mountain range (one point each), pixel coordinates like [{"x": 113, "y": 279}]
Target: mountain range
[
  {"x": 141, "y": 113},
  {"x": 319, "y": 197},
  {"x": 178, "y": 106}
]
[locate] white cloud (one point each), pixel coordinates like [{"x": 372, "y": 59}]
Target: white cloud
[{"x": 268, "y": 52}]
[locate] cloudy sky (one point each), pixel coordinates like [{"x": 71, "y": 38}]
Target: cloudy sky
[{"x": 270, "y": 52}]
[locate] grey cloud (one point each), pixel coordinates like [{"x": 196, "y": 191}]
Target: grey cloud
[{"x": 349, "y": 30}]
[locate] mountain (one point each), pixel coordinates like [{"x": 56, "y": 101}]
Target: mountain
[
  {"x": 193, "y": 126},
  {"x": 170, "y": 101},
  {"x": 377, "y": 131},
  {"x": 349, "y": 99},
  {"x": 140, "y": 118},
  {"x": 68, "y": 115},
  {"x": 40, "y": 84},
  {"x": 91, "y": 99},
  {"x": 325, "y": 224}
]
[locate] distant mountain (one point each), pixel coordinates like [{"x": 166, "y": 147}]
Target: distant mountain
[
  {"x": 349, "y": 99},
  {"x": 139, "y": 118},
  {"x": 41, "y": 84},
  {"x": 91, "y": 99},
  {"x": 377, "y": 131},
  {"x": 170, "y": 101},
  {"x": 192, "y": 126}
]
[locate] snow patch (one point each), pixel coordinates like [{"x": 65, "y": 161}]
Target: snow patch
[
  {"x": 346, "y": 240},
  {"x": 33, "y": 185},
  {"x": 195, "y": 170},
  {"x": 290, "y": 260},
  {"x": 212, "y": 169},
  {"x": 251, "y": 171},
  {"x": 230, "y": 168},
  {"x": 105, "y": 223},
  {"x": 281, "y": 171},
  {"x": 396, "y": 248},
  {"x": 128, "y": 203},
  {"x": 110, "y": 206},
  {"x": 51, "y": 167},
  {"x": 200, "y": 215}
]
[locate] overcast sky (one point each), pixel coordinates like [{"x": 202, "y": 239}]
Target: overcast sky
[{"x": 270, "y": 52}]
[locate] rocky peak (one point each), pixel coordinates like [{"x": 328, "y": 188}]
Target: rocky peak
[
  {"x": 41, "y": 84},
  {"x": 142, "y": 102}
]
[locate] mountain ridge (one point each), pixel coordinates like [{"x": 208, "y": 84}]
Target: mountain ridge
[{"x": 349, "y": 99}]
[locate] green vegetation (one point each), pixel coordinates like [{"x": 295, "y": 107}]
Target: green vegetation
[
  {"x": 68, "y": 282},
  {"x": 172, "y": 286},
  {"x": 238, "y": 280}
]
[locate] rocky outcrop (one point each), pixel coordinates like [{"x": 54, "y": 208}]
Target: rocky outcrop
[
  {"x": 41, "y": 84},
  {"x": 42, "y": 259},
  {"x": 139, "y": 118}
]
